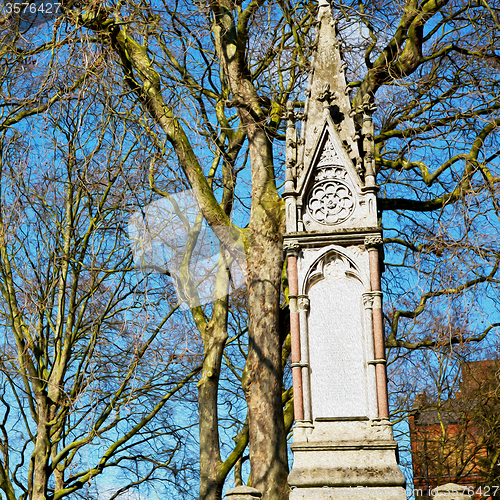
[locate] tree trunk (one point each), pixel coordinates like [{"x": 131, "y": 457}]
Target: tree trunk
[
  {"x": 39, "y": 466},
  {"x": 263, "y": 373},
  {"x": 214, "y": 339},
  {"x": 263, "y": 384},
  {"x": 210, "y": 460}
]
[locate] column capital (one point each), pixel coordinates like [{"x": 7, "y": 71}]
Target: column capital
[
  {"x": 303, "y": 302},
  {"x": 373, "y": 300},
  {"x": 373, "y": 242},
  {"x": 291, "y": 247}
]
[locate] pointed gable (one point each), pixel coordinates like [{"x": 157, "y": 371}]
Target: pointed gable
[
  {"x": 330, "y": 188},
  {"x": 329, "y": 191},
  {"x": 327, "y": 151}
]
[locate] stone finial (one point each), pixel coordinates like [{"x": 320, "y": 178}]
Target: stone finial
[
  {"x": 243, "y": 493},
  {"x": 451, "y": 491},
  {"x": 326, "y": 96}
]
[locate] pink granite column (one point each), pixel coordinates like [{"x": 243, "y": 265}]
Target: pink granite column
[
  {"x": 293, "y": 285},
  {"x": 378, "y": 326}
]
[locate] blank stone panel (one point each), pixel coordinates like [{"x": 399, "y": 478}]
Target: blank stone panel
[{"x": 336, "y": 347}]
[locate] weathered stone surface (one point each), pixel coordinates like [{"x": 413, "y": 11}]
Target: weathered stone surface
[
  {"x": 346, "y": 454},
  {"x": 336, "y": 307},
  {"x": 351, "y": 493},
  {"x": 327, "y": 90},
  {"x": 375, "y": 430},
  {"x": 326, "y": 188},
  {"x": 243, "y": 493},
  {"x": 342, "y": 449}
]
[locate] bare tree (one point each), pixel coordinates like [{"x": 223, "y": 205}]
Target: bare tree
[
  {"x": 89, "y": 363},
  {"x": 202, "y": 87},
  {"x": 454, "y": 418}
]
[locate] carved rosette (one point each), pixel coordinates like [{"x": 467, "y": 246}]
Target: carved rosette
[{"x": 330, "y": 202}]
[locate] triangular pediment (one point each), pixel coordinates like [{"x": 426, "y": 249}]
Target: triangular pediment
[{"x": 328, "y": 153}]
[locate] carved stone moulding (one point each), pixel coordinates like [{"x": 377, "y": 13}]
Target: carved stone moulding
[
  {"x": 351, "y": 460},
  {"x": 334, "y": 265},
  {"x": 329, "y": 155},
  {"x": 338, "y": 236}
]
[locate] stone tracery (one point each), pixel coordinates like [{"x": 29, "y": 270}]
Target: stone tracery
[{"x": 330, "y": 202}]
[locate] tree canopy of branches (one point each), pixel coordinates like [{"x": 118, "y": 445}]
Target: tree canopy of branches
[
  {"x": 454, "y": 420},
  {"x": 109, "y": 106}
]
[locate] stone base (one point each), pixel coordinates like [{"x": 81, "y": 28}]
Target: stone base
[
  {"x": 243, "y": 493},
  {"x": 361, "y": 493},
  {"x": 345, "y": 460}
]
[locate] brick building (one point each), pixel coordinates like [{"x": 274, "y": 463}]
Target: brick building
[{"x": 457, "y": 440}]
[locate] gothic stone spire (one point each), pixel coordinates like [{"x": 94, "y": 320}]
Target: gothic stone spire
[{"x": 328, "y": 186}]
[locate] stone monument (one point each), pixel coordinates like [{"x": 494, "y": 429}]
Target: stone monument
[{"x": 343, "y": 444}]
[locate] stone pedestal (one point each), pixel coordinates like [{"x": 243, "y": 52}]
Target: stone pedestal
[
  {"x": 346, "y": 459},
  {"x": 351, "y": 493}
]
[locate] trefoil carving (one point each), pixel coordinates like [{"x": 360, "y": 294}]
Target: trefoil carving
[
  {"x": 330, "y": 172},
  {"x": 329, "y": 155}
]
